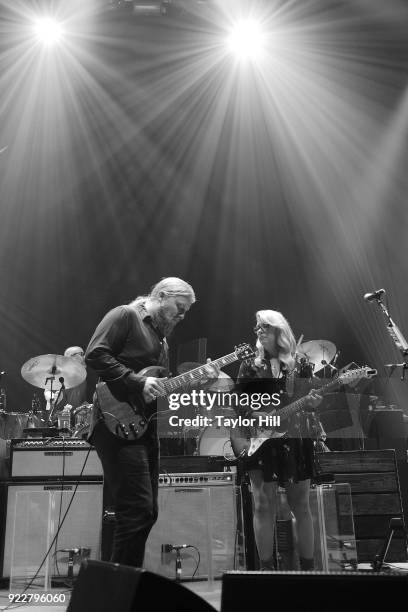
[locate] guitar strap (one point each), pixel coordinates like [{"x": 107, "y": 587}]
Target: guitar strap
[
  {"x": 164, "y": 355},
  {"x": 290, "y": 382}
]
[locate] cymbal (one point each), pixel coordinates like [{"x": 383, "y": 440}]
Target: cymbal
[
  {"x": 40, "y": 371},
  {"x": 318, "y": 351}
]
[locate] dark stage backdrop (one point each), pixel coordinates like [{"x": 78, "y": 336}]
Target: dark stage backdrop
[{"x": 140, "y": 150}]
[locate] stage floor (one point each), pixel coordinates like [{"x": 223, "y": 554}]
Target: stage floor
[{"x": 209, "y": 591}]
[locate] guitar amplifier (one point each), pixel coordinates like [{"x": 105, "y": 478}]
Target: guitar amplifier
[
  {"x": 31, "y": 512},
  {"x": 201, "y": 513},
  {"x": 194, "y": 463},
  {"x": 39, "y": 458},
  {"x": 189, "y": 479}
]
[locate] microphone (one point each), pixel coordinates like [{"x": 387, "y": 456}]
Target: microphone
[
  {"x": 74, "y": 551},
  {"x": 374, "y": 296},
  {"x": 166, "y": 548}
]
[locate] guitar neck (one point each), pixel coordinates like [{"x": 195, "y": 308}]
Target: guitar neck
[
  {"x": 172, "y": 384},
  {"x": 301, "y": 403}
]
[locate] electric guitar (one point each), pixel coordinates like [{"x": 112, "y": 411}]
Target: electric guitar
[
  {"x": 129, "y": 420},
  {"x": 246, "y": 443}
]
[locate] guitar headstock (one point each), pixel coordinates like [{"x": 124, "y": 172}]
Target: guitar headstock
[
  {"x": 354, "y": 375},
  {"x": 244, "y": 351}
]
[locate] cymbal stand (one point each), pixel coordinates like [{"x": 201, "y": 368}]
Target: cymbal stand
[
  {"x": 332, "y": 371},
  {"x": 53, "y": 402}
]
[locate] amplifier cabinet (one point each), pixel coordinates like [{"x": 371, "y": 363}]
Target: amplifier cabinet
[
  {"x": 31, "y": 514},
  {"x": 33, "y": 458},
  {"x": 374, "y": 480},
  {"x": 201, "y": 513}
]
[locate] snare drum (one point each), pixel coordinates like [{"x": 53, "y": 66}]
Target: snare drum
[{"x": 215, "y": 441}]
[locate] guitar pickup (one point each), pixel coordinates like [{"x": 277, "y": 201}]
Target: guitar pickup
[
  {"x": 123, "y": 429},
  {"x": 134, "y": 429}
]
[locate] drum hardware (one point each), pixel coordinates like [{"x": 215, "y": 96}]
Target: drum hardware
[
  {"x": 81, "y": 417},
  {"x": 318, "y": 352},
  {"x": 14, "y": 424},
  {"x": 54, "y": 374},
  {"x": 53, "y": 404},
  {"x": 35, "y": 404}
]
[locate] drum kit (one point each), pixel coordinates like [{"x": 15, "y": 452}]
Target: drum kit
[
  {"x": 53, "y": 373},
  {"x": 319, "y": 354}
]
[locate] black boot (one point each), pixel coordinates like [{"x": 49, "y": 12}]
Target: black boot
[{"x": 306, "y": 565}]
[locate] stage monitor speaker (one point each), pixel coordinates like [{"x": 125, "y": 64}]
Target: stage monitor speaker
[
  {"x": 31, "y": 513},
  {"x": 108, "y": 587},
  {"x": 334, "y": 591}
]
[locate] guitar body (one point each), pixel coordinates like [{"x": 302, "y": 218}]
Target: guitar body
[
  {"x": 245, "y": 441},
  {"x": 128, "y": 420}
]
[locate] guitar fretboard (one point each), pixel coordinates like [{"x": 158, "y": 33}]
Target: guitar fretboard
[
  {"x": 343, "y": 378},
  {"x": 172, "y": 384}
]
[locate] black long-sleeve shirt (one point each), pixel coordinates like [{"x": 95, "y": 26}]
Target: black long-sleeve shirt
[{"x": 125, "y": 342}]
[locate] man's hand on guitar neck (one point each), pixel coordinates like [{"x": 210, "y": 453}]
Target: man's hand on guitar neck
[
  {"x": 153, "y": 388},
  {"x": 212, "y": 370}
]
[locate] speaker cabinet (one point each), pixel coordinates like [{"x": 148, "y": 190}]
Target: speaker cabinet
[
  {"x": 104, "y": 587},
  {"x": 334, "y": 591},
  {"x": 32, "y": 512},
  {"x": 204, "y": 518}
]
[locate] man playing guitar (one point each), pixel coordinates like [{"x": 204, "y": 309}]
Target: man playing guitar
[{"x": 128, "y": 339}]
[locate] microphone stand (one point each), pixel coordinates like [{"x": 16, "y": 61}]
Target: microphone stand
[
  {"x": 396, "y": 524},
  {"x": 398, "y": 338},
  {"x": 52, "y": 401}
]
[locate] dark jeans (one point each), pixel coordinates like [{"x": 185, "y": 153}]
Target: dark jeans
[{"x": 131, "y": 471}]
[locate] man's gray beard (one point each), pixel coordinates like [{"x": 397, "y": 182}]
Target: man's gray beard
[{"x": 164, "y": 326}]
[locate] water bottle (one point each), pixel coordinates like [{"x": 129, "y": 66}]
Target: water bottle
[{"x": 64, "y": 417}]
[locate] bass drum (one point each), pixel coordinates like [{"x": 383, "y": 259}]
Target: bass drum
[{"x": 216, "y": 441}]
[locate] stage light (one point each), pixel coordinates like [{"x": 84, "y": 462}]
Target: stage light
[
  {"x": 246, "y": 39},
  {"x": 48, "y": 31}
]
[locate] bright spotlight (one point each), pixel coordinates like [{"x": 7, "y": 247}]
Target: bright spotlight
[
  {"x": 246, "y": 39},
  {"x": 48, "y": 31}
]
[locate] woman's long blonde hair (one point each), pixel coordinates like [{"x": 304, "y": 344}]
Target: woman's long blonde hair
[{"x": 285, "y": 338}]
